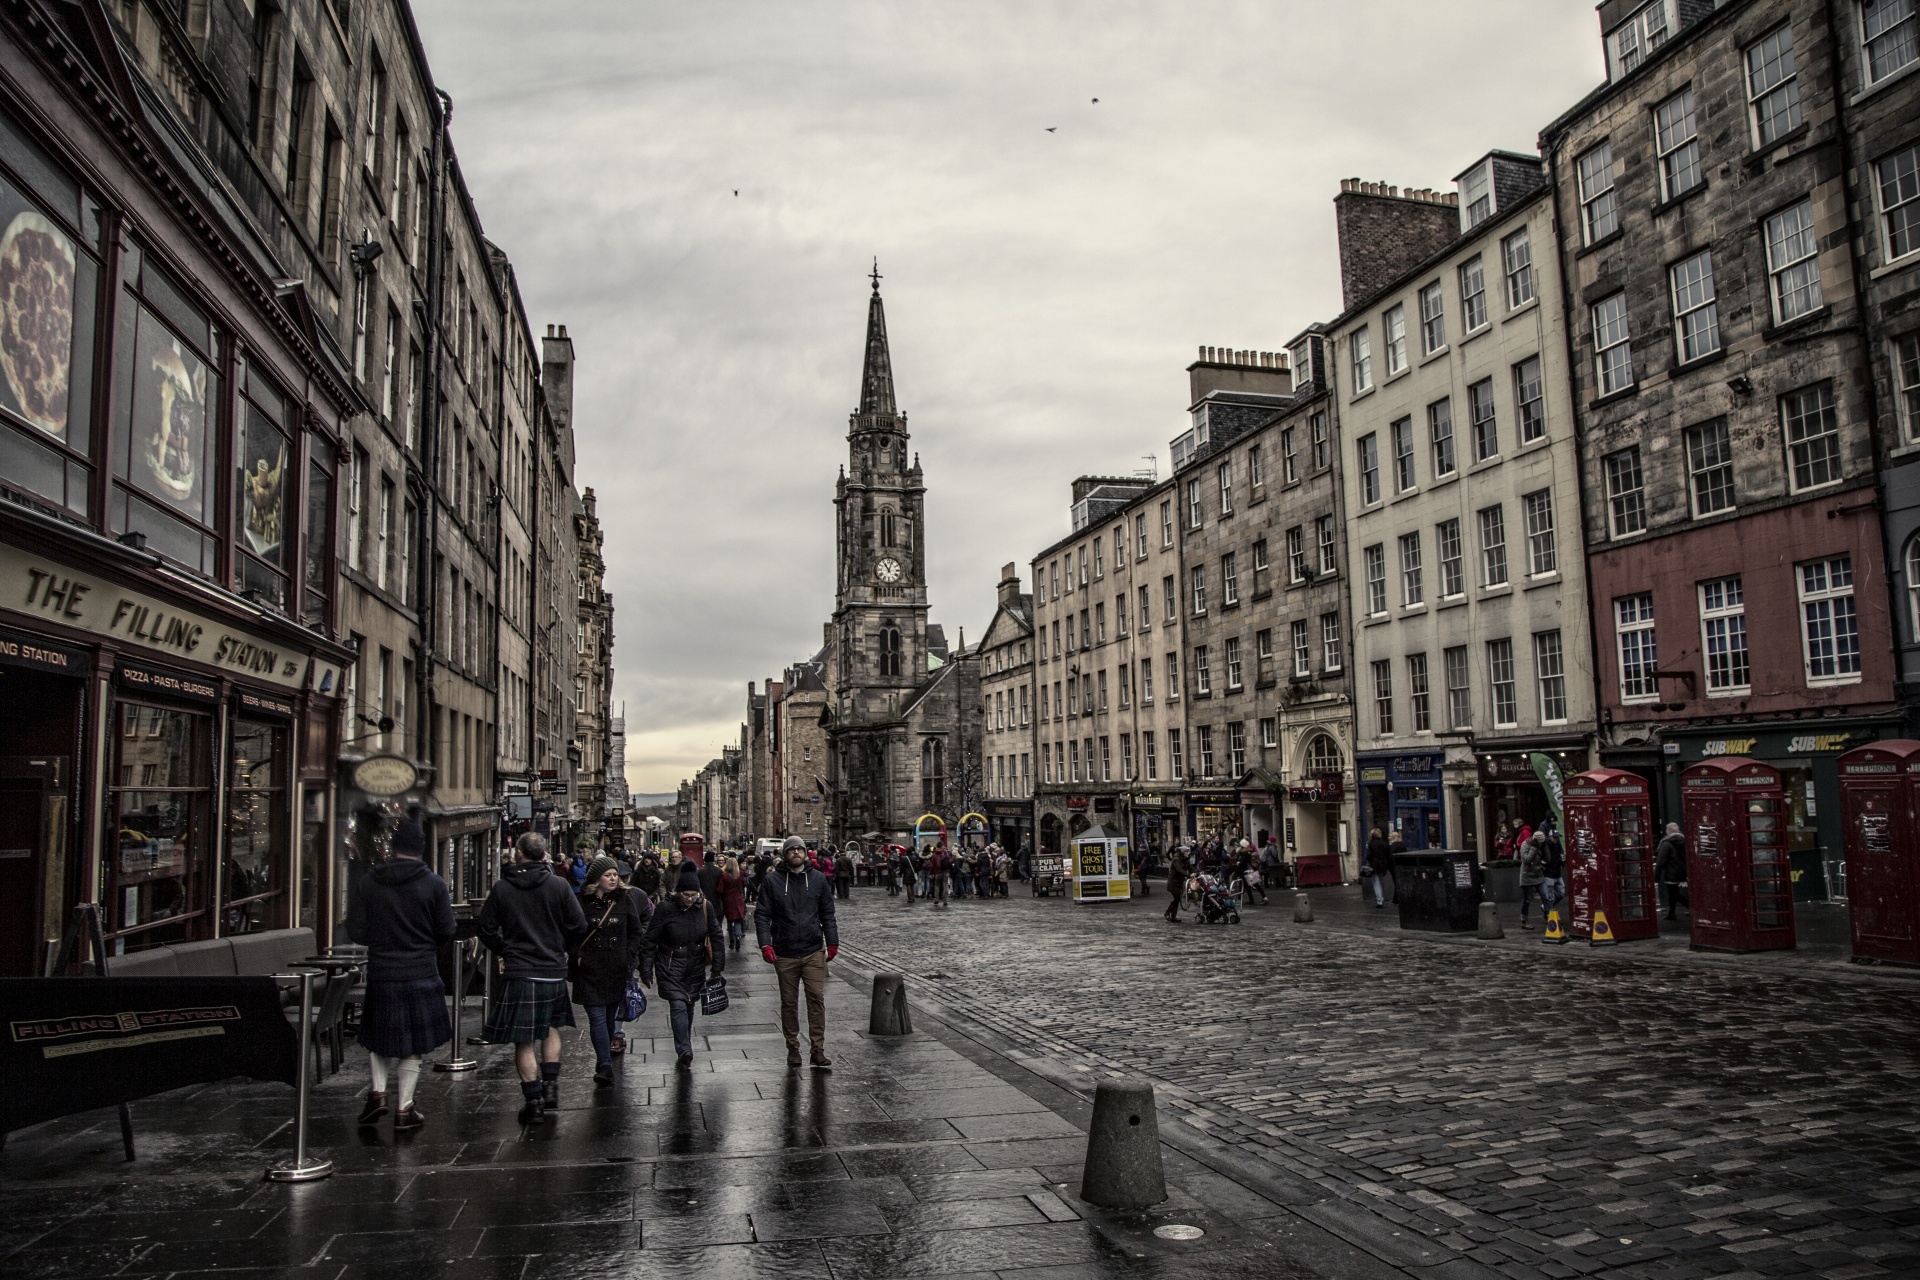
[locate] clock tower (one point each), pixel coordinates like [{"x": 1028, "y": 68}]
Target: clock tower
[{"x": 890, "y": 702}]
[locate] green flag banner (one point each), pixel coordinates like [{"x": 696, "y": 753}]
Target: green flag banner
[{"x": 1548, "y": 772}]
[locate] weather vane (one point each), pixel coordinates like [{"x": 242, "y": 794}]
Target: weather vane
[{"x": 875, "y": 277}]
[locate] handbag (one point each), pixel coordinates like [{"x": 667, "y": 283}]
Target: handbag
[
  {"x": 714, "y": 998},
  {"x": 636, "y": 999},
  {"x": 573, "y": 957}
]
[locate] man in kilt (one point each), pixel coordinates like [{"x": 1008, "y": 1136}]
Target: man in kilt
[
  {"x": 531, "y": 921},
  {"x": 402, "y": 914}
]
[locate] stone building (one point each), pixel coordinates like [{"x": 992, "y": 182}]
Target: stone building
[
  {"x": 593, "y": 706},
  {"x": 1723, "y": 393},
  {"x": 905, "y": 727},
  {"x": 1109, "y": 726},
  {"x": 555, "y": 614},
  {"x": 521, "y": 411},
  {"x": 1006, "y": 707},
  {"x": 800, "y": 723},
  {"x": 1460, "y": 479}
]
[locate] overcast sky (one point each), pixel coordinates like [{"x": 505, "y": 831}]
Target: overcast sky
[{"x": 1045, "y": 290}]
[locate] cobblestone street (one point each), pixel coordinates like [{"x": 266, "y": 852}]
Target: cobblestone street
[{"x": 1541, "y": 1111}]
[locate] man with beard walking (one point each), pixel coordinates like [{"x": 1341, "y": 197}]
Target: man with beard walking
[{"x": 798, "y": 934}]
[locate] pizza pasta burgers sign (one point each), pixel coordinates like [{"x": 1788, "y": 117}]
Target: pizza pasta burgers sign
[
  {"x": 75, "y": 1044},
  {"x": 43, "y": 588}
]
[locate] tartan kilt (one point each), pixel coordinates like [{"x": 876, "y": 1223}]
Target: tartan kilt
[
  {"x": 403, "y": 1019},
  {"x": 524, "y": 1010}
]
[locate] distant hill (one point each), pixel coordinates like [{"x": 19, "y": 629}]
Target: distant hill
[{"x": 647, "y": 800}]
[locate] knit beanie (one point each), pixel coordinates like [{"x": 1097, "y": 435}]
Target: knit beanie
[
  {"x": 599, "y": 867},
  {"x": 409, "y": 839},
  {"x": 689, "y": 881}
]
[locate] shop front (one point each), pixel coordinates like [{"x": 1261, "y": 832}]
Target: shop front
[
  {"x": 1156, "y": 826},
  {"x": 1807, "y": 758},
  {"x": 1512, "y": 796},
  {"x": 1403, "y": 792},
  {"x": 1261, "y": 806},
  {"x": 1214, "y": 815},
  {"x": 1012, "y": 822}
]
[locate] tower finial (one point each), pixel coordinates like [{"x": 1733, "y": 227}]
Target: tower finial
[{"x": 876, "y": 277}]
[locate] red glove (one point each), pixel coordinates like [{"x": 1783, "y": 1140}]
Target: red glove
[
  {"x": 766, "y": 953},
  {"x": 832, "y": 951}
]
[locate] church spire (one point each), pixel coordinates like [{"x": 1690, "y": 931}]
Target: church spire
[{"x": 876, "y": 379}]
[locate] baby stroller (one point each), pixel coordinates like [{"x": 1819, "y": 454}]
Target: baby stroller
[{"x": 1218, "y": 901}]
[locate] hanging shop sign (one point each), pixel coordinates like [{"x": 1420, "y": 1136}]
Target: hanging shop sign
[
  {"x": 385, "y": 775},
  {"x": 43, "y": 588}
]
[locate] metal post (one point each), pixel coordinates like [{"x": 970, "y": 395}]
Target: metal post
[
  {"x": 454, "y": 1061},
  {"x": 486, "y": 996},
  {"x": 302, "y": 1169}
]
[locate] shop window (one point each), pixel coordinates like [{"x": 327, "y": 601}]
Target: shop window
[
  {"x": 263, "y": 450},
  {"x": 49, "y": 284},
  {"x": 255, "y": 893},
  {"x": 161, "y": 803},
  {"x": 166, "y": 398}
]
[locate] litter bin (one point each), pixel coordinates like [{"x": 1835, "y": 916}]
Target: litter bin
[{"x": 1439, "y": 891}]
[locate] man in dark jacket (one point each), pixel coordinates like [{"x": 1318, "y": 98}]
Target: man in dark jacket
[
  {"x": 684, "y": 942},
  {"x": 710, "y": 882},
  {"x": 531, "y": 920},
  {"x": 1379, "y": 865},
  {"x": 798, "y": 935},
  {"x": 402, "y": 914},
  {"x": 843, "y": 875},
  {"x": 1670, "y": 869}
]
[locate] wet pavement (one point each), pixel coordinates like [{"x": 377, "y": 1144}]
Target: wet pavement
[
  {"x": 1639, "y": 1111},
  {"x": 1336, "y": 1099}
]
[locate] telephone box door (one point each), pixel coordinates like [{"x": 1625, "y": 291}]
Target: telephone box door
[
  {"x": 1706, "y": 797},
  {"x": 1878, "y": 785}
]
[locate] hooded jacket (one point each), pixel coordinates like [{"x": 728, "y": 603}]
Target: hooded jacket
[
  {"x": 402, "y": 914},
  {"x": 794, "y": 914},
  {"x": 531, "y": 920}
]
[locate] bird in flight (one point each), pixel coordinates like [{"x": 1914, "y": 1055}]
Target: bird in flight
[
  {"x": 736, "y": 191},
  {"x": 1096, "y": 99},
  {"x": 1052, "y": 127}
]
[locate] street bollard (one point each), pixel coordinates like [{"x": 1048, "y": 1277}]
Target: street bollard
[
  {"x": 486, "y": 997},
  {"x": 454, "y": 1061},
  {"x": 1490, "y": 921},
  {"x": 302, "y": 1169},
  {"x": 1302, "y": 909},
  {"x": 1123, "y": 1169},
  {"x": 889, "y": 1016}
]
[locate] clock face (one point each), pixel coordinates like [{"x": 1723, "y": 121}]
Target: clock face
[{"x": 888, "y": 570}]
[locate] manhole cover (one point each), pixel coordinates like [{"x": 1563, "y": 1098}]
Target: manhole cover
[{"x": 1178, "y": 1231}]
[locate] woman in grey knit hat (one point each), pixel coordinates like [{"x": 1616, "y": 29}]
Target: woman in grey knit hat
[{"x": 614, "y": 948}]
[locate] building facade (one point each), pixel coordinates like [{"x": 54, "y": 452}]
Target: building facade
[
  {"x": 1461, "y": 482},
  {"x": 593, "y": 707},
  {"x": 1722, "y": 384},
  {"x": 1006, "y": 708}
]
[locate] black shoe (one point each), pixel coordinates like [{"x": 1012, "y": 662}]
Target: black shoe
[
  {"x": 531, "y": 1112},
  {"x": 685, "y": 1063},
  {"x": 550, "y": 1094},
  {"x": 408, "y": 1120},
  {"x": 603, "y": 1077},
  {"x": 375, "y": 1108}
]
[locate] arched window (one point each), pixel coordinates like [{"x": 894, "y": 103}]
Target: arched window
[
  {"x": 1913, "y": 585},
  {"x": 1322, "y": 756},
  {"x": 889, "y": 652},
  {"x": 886, "y": 527}
]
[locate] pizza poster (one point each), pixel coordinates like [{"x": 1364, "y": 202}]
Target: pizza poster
[{"x": 41, "y": 274}]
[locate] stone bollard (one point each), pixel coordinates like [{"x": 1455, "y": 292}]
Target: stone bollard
[
  {"x": 1490, "y": 921},
  {"x": 889, "y": 1016},
  {"x": 1302, "y": 909},
  {"x": 1123, "y": 1169}
]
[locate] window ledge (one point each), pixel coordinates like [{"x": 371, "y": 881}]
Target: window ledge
[
  {"x": 1485, "y": 464},
  {"x": 1456, "y": 602},
  {"x": 1436, "y": 354},
  {"x": 1404, "y": 494},
  {"x": 1449, "y": 478},
  {"x": 1905, "y": 262},
  {"x": 1905, "y": 450},
  {"x": 1531, "y": 304},
  {"x": 1760, "y": 155},
  {"x": 1625, "y": 393},
  {"x": 1395, "y": 377},
  {"x": 1674, "y": 202},
  {"x": 1544, "y": 580},
  {"x": 1363, "y": 394},
  {"x": 1744, "y": 691},
  {"x": 1494, "y": 593},
  {"x": 1836, "y": 682},
  {"x": 1603, "y": 241},
  {"x": 1534, "y": 446},
  {"x": 1880, "y": 85},
  {"x": 1679, "y": 367},
  {"x": 1474, "y": 334},
  {"x": 1409, "y": 610},
  {"x": 1773, "y": 334},
  {"x": 1376, "y": 620}
]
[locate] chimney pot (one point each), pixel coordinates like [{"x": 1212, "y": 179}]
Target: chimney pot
[
  {"x": 563, "y": 331},
  {"x": 549, "y": 331}
]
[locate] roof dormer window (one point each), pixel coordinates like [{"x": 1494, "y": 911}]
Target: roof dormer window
[
  {"x": 1633, "y": 41},
  {"x": 1476, "y": 195}
]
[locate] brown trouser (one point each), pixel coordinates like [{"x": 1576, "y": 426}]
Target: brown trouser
[{"x": 811, "y": 970}]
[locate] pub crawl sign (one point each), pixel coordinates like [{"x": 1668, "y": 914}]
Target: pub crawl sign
[{"x": 46, "y": 589}]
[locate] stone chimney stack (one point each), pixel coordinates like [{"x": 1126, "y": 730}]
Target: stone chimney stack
[
  {"x": 556, "y": 375},
  {"x": 1384, "y": 232},
  {"x": 1010, "y": 586}
]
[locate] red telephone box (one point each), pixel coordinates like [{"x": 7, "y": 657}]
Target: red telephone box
[
  {"x": 1739, "y": 883},
  {"x": 693, "y": 849},
  {"x": 1878, "y": 787},
  {"x": 1610, "y": 854}
]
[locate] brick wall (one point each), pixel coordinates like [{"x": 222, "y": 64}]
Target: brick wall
[{"x": 1382, "y": 237}]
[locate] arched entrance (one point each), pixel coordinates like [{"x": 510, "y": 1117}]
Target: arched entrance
[{"x": 1050, "y": 836}]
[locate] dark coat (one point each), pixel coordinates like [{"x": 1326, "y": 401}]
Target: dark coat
[
  {"x": 531, "y": 919},
  {"x": 1379, "y": 856},
  {"x": 710, "y": 883},
  {"x": 1670, "y": 859},
  {"x": 674, "y": 947},
  {"x": 612, "y": 950},
  {"x": 794, "y": 915},
  {"x": 402, "y": 914}
]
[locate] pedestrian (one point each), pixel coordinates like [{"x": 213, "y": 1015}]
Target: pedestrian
[
  {"x": 646, "y": 875},
  {"x": 1177, "y": 871},
  {"x": 1250, "y": 874},
  {"x": 577, "y": 869},
  {"x": 890, "y": 870},
  {"x": 1553, "y": 870},
  {"x": 843, "y": 875},
  {"x": 1670, "y": 870},
  {"x": 710, "y": 882},
  {"x": 799, "y": 935},
  {"x": 936, "y": 869},
  {"x": 685, "y": 946},
  {"x": 402, "y": 914},
  {"x": 530, "y": 920},
  {"x": 733, "y": 901},
  {"x": 1533, "y": 873},
  {"x": 610, "y": 954},
  {"x": 1396, "y": 842},
  {"x": 1379, "y": 865},
  {"x": 1270, "y": 863}
]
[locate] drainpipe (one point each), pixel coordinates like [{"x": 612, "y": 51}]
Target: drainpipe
[{"x": 426, "y": 582}]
